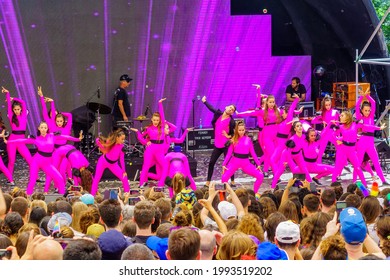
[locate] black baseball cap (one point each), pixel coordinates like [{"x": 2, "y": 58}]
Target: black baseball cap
[{"x": 126, "y": 78}]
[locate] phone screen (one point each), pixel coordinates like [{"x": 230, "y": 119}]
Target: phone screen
[
  {"x": 133, "y": 200},
  {"x": 220, "y": 187},
  {"x": 5, "y": 254},
  {"x": 113, "y": 193},
  {"x": 158, "y": 189},
  {"x": 134, "y": 192},
  {"x": 340, "y": 205}
]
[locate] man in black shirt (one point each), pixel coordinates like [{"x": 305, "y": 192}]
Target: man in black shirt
[
  {"x": 296, "y": 88},
  {"x": 121, "y": 105}
]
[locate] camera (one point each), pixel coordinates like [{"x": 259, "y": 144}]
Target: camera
[
  {"x": 220, "y": 187},
  {"x": 5, "y": 254},
  {"x": 133, "y": 200}
]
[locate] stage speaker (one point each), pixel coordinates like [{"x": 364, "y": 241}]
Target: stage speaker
[{"x": 383, "y": 147}]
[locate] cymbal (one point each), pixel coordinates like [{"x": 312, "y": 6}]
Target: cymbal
[
  {"x": 103, "y": 109},
  {"x": 141, "y": 118}
]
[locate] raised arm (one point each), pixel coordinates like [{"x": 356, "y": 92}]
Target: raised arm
[
  {"x": 161, "y": 111},
  {"x": 208, "y": 105},
  {"x": 69, "y": 121},
  {"x": 373, "y": 105},
  {"x": 182, "y": 137},
  {"x": 10, "y": 113},
  {"x": 172, "y": 127},
  {"x": 358, "y": 114},
  {"x": 291, "y": 110}
]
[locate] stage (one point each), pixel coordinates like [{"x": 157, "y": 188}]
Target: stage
[{"x": 198, "y": 163}]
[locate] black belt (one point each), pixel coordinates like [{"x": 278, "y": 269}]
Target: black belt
[
  {"x": 281, "y": 135},
  {"x": 368, "y": 134},
  {"x": 295, "y": 153},
  {"x": 110, "y": 161},
  {"x": 178, "y": 159},
  {"x": 58, "y": 145},
  {"x": 240, "y": 155},
  {"x": 350, "y": 144},
  {"x": 272, "y": 123},
  {"x": 70, "y": 152},
  {"x": 310, "y": 159},
  {"x": 19, "y": 132},
  {"x": 45, "y": 154},
  {"x": 333, "y": 126},
  {"x": 157, "y": 141}
]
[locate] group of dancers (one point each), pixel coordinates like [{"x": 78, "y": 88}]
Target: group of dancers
[{"x": 283, "y": 138}]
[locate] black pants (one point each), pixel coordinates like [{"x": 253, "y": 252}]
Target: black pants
[{"x": 217, "y": 152}]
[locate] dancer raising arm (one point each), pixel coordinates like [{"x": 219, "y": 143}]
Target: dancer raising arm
[
  {"x": 112, "y": 158},
  {"x": 17, "y": 114},
  {"x": 223, "y": 124},
  {"x": 44, "y": 142},
  {"x": 238, "y": 157},
  {"x": 365, "y": 113}
]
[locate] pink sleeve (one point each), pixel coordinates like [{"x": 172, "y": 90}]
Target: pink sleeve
[
  {"x": 253, "y": 153},
  {"x": 181, "y": 139},
  {"x": 141, "y": 138},
  {"x": 172, "y": 127},
  {"x": 358, "y": 114},
  {"x": 373, "y": 106}
]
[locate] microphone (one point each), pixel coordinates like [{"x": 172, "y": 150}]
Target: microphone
[{"x": 98, "y": 92}]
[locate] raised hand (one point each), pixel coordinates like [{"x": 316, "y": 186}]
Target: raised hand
[
  {"x": 4, "y": 90},
  {"x": 40, "y": 91},
  {"x": 161, "y": 100},
  {"x": 204, "y": 99}
]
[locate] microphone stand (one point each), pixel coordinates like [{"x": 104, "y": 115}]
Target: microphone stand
[{"x": 87, "y": 105}]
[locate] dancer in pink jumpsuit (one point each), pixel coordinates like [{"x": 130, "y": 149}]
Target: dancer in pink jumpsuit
[
  {"x": 310, "y": 154},
  {"x": 113, "y": 158},
  {"x": 327, "y": 116},
  {"x": 238, "y": 157},
  {"x": 346, "y": 137},
  {"x": 223, "y": 124},
  {"x": 58, "y": 123},
  {"x": 155, "y": 145},
  {"x": 17, "y": 114},
  {"x": 284, "y": 129},
  {"x": 176, "y": 162},
  {"x": 365, "y": 113},
  {"x": 293, "y": 154},
  {"x": 3, "y": 168},
  {"x": 42, "y": 159},
  {"x": 271, "y": 116}
]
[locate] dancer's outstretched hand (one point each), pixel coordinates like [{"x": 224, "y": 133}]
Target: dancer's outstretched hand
[
  {"x": 204, "y": 99},
  {"x": 40, "y": 91},
  {"x": 161, "y": 100},
  {"x": 4, "y": 90}
]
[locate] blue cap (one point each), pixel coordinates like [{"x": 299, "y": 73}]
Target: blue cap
[
  {"x": 353, "y": 227},
  {"x": 87, "y": 199},
  {"x": 159, "y": 245}
]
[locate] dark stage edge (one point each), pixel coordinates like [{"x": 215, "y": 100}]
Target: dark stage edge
[{"x": 199, "y": 163}]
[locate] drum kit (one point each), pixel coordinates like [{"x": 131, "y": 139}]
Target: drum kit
[{"x": 99, "y": 109}]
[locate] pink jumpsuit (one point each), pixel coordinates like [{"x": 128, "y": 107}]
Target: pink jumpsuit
[
  {"x": 366, "y": 141},
  {"x": 155, "y": 152},
  {"x": 326, "y": 135},
  {"x": 114, "y": 160},
  {"x": 18, "y": 132},
  {"x": 42, "y": 159},
  {"x": 176, "y": 163},
  {"x": 61, "y": 147},
  {"x": 75, "y": 159},
  {"x": 293, "y": 156},
  {"x": 284, "y": 129},
  {"x": 237, "y": 157}
]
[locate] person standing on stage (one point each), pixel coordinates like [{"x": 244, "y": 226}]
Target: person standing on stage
[
  {"x": 295, "y": 89},
  {"x": 121, "y": 106},
  {"x": 224, "y": 125},
  {"x": 17, "y": 114}
]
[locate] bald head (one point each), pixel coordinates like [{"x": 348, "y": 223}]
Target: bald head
[
  {"x": 208, "y": 244},
  {"x": 48, "y": 250}
]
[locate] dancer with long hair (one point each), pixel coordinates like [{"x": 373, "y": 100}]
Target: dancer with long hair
[
  {"x": 346, "y": 138},
  {"x": 155, "y": 145},
  {"x": 328, "y": 115},
  {"x": 223, "y": 124},
  {"x": 237, "y": 157},
  {"x": 44, "y": 142},
  {"x": 284, "y": 129},
  {"x": 310, "y": 155},
  {"x": 293, "y": 155},
  {"x": 17, "y": 114},
  {"x": 365, "y": 112},
  {"x": 58, "y": 123},
  {"x": 112, "y": 158}
]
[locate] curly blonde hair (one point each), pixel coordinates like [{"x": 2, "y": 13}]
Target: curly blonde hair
[
  {"x": 250, "y": 224},
  {"x": 236, "y": 244}
]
